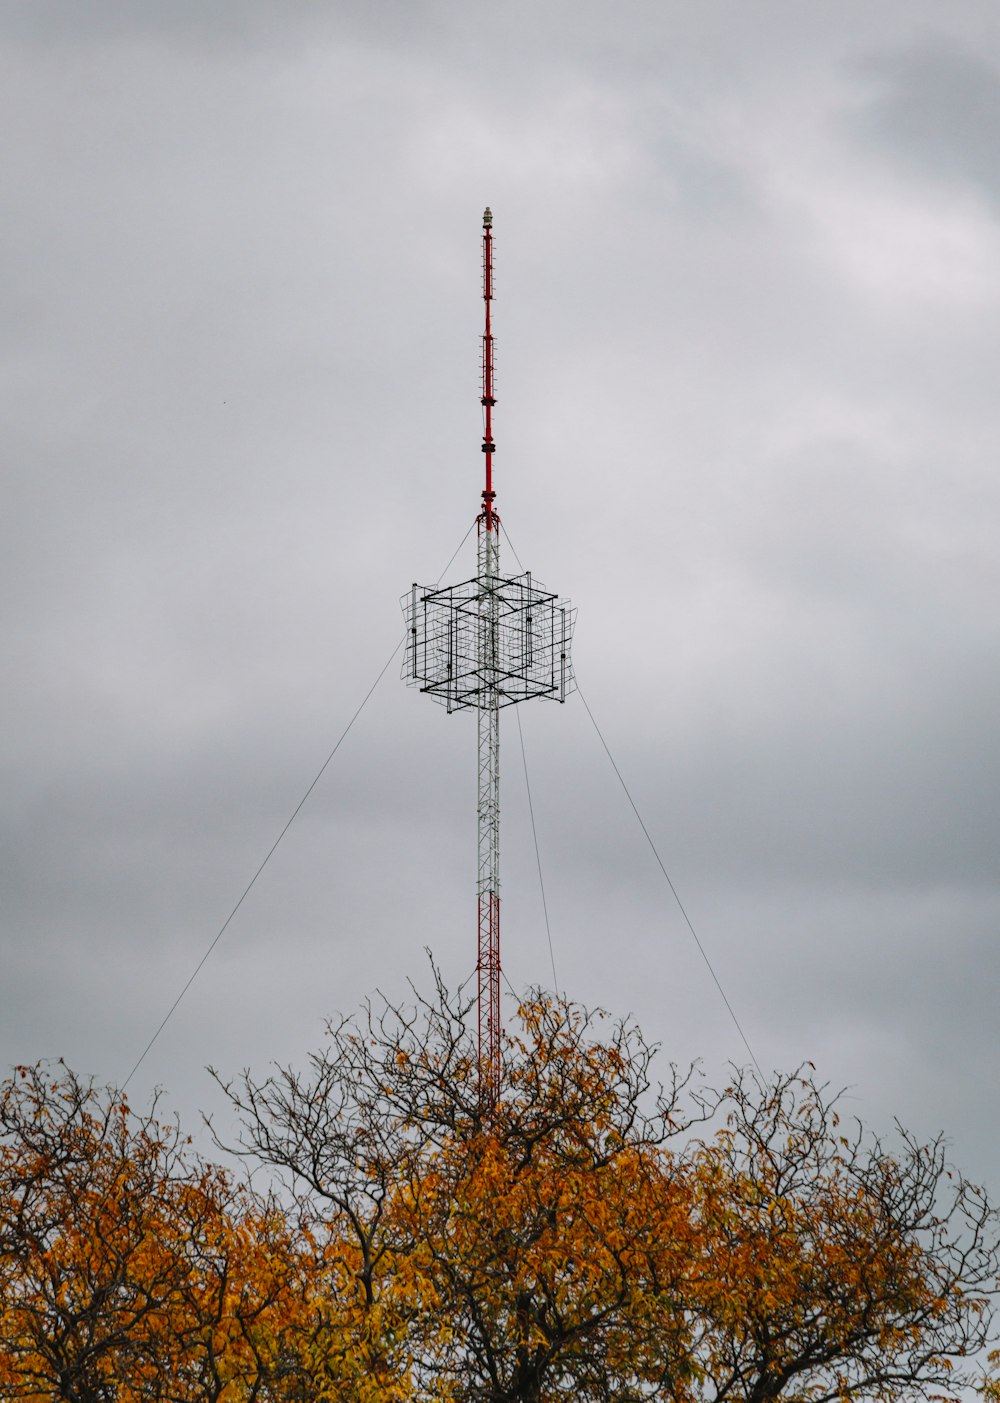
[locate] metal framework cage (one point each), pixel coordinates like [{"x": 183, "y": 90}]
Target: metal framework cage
[{"x": 488, "y": 642}]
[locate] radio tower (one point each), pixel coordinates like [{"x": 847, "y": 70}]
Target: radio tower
[{"x": 485, "y": 644}]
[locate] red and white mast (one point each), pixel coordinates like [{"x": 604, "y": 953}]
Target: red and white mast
[
  {"x": 483, "y": 644},
  {"x": 488, "y": 724}
]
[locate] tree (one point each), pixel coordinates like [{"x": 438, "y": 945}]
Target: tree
[
  {"x": 489, "y": 1253},
  {"x": 594, "y": 1236},
  {"x": 130, "y": 1269},
  {"x": 238, "y": 1305},
  {"x": 831, "y": 1267},
  {"x": 580, "y": 1242},
  {"x": 83, "y": 1267}
]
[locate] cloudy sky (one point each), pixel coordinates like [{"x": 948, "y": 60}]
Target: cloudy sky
[{"x": 748, "y": 284}]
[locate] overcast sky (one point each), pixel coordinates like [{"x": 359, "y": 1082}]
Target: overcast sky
[{"x": 748, "y": 283}]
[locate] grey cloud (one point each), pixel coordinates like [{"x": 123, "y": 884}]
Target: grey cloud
[
  {"x": 935, "y": 109},
  {"x": 241, "y": 335}
]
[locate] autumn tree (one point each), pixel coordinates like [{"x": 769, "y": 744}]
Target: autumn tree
[
  {"x": 829, "y": 1266},
  {"x": 588, "y": 1238},
  {"x": 598, "y": 1234},
  {"x": 229, "y": 1330},
  {"x": 489, "y": 1254},
  {"x": 82, "y": 1205},
  {"x": 130, "y": 1269}
]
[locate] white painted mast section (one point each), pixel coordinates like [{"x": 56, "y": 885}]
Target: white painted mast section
[{"x": 488, "y": 729}]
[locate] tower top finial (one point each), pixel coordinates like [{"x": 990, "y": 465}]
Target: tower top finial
[{"x": 487, "y": 218}]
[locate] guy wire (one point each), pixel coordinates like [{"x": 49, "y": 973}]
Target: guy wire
[
  {"x": 250, "y": 884},
  {"x": 538, "y": 856},
  {"x": 673, "y": 889},
  {"x": 294, "y": 815}
]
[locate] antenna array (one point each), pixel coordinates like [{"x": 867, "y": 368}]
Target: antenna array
[{"x": 484, "y": 644}]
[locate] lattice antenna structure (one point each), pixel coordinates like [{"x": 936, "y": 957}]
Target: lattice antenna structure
[{"x": 484, "y": 644}]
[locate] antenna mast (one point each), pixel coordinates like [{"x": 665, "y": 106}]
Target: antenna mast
[{"x": 484, "y": 644}]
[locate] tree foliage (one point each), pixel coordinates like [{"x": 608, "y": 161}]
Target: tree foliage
[
  {"x": 129, "y": 1269},
  {"x": 598, "y": 1235}
]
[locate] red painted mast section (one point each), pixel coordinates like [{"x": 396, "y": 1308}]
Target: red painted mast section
[
  {"x": 488, "y": 722},
  {"x": 488, "y": 518}
]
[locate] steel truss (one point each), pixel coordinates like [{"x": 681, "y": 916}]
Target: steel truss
[{"x": 484, "y": 644}]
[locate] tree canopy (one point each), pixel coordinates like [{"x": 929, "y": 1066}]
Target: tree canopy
[{"x": 602, "y": 1233}]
